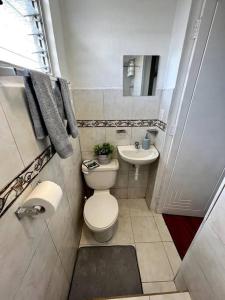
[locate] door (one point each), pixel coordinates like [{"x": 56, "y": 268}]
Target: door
[{"x": 197, "y": 158}]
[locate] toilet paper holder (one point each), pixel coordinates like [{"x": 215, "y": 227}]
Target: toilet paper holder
[{"x": 29, "y": 211}]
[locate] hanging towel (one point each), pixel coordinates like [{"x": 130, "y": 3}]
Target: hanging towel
[
  {"x": 69, "y": 114},
  {"x": 59, "y": 101},
  {"x": 36, "y": 117},
  {"x": 41, "y": 84}
]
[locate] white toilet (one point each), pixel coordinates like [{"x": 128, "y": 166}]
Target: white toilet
[{"x": 101, "y": 210}]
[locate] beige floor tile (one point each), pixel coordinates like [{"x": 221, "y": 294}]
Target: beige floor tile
[
  {"x": 145, "y": 229},
  {"x": 133, "y": 298},
  {"x": 124, "y": 209},
  {"x": 138, "y": 207},
  {"x": 136, "y": 192},
  {"x": 87, "y": 238},
  {"x": 120, "y": 193},
  {"x": 153, "y": 262},
  {"x": 123, "y": 234},
  {"x": 163, "y": 230},
  {"x": 177, "y": 296},
  {"x": 158, "y": 287},
  {"x": 173, "y": 256}
]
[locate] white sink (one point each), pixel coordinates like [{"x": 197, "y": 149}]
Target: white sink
[{"x": 138, "y": 157}]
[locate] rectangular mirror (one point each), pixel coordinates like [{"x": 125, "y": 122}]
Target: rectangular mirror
[{"x": 140, "y": 75}]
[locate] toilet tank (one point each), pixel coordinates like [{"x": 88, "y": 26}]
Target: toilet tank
[{"x": 102, "y": 177}]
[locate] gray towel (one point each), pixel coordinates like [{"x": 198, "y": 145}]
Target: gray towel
[
  {"x": 41, "y": 84},
  {"x": 59, "y": 101},
  {"x": 36, "y": 117},
  {"x": 71, "y": 121}
]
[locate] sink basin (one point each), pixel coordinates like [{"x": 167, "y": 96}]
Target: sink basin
[{"x": 138, "y": 156}]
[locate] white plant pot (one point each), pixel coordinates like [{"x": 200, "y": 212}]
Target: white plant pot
[{"x": 104, "y": 159}]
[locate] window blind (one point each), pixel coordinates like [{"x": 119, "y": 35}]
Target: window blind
[{"x": 22, "y": 35}]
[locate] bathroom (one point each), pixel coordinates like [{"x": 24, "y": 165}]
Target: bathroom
[{"x": 164, "y": 181}]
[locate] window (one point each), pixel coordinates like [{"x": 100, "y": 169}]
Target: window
[{"x": 22, "y": 35}]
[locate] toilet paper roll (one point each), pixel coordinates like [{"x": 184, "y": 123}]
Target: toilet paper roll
[{"x": 47, "y": 195}]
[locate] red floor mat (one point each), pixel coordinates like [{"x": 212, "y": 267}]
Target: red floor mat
[{"x": 182, "y": 230}]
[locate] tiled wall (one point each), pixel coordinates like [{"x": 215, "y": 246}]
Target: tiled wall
[
  {"x": 202, "y": 270},
  {"x": 36, "y": 255},
  {"x": 111, "y": 105}
]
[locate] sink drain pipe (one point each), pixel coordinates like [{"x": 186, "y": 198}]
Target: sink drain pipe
[{"x": 136, "y": 174}]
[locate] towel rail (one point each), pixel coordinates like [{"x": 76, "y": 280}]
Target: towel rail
[{"x": 9, "y": 71}]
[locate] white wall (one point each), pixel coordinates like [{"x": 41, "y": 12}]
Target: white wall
[
  {"x": 174, "y": 56},
  {"x": 203, "y": 268},
  {"x": 177, "y": 42},
  {"x": 98, "y": 34}
]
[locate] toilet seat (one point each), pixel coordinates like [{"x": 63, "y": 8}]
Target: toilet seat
[{"x": 101, "y": 211}]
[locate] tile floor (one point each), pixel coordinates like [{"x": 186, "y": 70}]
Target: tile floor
[
  {"x": 157, "y": 256},
  {"x": 178, "y": 296}
]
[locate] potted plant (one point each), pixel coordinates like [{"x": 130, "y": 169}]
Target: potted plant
[{"x": 104, "y": 152}]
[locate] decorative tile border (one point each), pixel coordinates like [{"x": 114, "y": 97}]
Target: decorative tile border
[
  {"x": 161, "y": 125},
  {"x": 15, "y": 188},
  {"x": 122, "y": 123}
]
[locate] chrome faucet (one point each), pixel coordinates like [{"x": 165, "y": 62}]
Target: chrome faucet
[{"x": 137, "y": 145}]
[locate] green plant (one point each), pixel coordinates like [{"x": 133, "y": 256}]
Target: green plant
[{"x": 103, "y": 149}]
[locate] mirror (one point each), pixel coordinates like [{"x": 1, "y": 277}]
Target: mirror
[{"x": 140, "y": 75}]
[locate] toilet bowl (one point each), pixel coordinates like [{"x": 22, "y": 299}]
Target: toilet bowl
[{"x": 101, "y": 210}]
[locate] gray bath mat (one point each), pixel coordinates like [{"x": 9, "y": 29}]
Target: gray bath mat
[{"x": 105, "y": 272}]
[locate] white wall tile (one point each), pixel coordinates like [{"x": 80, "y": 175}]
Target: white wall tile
[
  {"x": 117, "y": 107},
  {"x": 88, "y": 104},
  {"x": 90, "y": 137},
  {"x": 34, "y": 284},
  {"x": 124, "y": 166},
  {"x": 145, "y": 107},
  {"x": 68, "y": 250},
  {"x": 11, "y": 163},
  {"x": 88, "y": 155},
  {"x": 165, "y": 103},
  {"x": 118, "y": 139},
  {"x": 121, "y": 180},
  {"x": 15, "y": 108},
  {"x": 18, "y": 242},
  {"x": 141, "y": 182},
  {"x": 58, "y": 286},
  {"x": 159, "y": 140},
  {"x": 138, "y": 134}
]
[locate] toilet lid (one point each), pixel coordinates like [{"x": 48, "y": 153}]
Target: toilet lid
[{"x": 101, "y": 211}]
